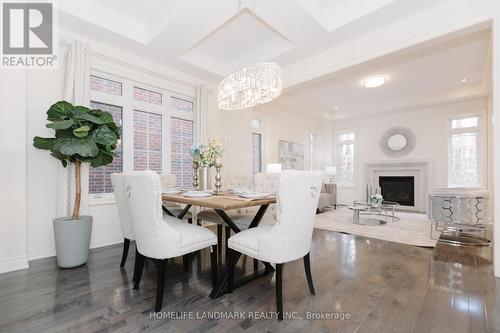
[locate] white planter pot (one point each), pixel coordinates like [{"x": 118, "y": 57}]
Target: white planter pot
[{"x": 72, "y": 239}]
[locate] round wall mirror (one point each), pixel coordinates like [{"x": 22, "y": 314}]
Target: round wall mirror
[{"x": 396, "y": 142}]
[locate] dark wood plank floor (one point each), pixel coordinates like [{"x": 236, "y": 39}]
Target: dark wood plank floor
[{"x": 383, "y": 286}]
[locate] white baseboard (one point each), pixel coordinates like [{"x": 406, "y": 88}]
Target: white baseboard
[
  {"x": 41, "y": 252},
  {"x": 96, "y": 242},
  {"x": 13, "y": 264},
  {"x": 106, "y": 240}
]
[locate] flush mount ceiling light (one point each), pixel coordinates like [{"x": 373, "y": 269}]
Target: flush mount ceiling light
[
  {"x": 374, "y": 81},
  {"x": 464, "y": 79},
  {"x": 253, "y": 85}
]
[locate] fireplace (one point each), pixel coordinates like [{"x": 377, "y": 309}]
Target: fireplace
[
  {"x": 400, "y": 189},
  {"x": 415, "y": 170}
]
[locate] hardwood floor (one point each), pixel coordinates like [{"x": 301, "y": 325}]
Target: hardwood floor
[{"x": 383, "y": 286}]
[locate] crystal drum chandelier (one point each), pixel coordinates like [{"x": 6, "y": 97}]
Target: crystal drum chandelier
[{"x": 250, "y": 86}]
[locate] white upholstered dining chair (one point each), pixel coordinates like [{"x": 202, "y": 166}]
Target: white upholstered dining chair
[
  {"x": 160, "y": 237},
  {"x": 264, "y": 183},
  {"x": 290, "y": 238},
  {"x": 169, "y": 180},
  {"x": 123, "y": 213}
]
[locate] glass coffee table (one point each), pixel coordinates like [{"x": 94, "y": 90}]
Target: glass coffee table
[
  {"x": 366, "y": 219},
  {"x": 365, "y": 213}
]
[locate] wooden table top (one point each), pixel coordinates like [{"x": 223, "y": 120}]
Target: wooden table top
[{"x": 224, "y": 201}]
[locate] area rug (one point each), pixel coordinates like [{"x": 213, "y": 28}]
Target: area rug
[{"x": 412, "y": 228}]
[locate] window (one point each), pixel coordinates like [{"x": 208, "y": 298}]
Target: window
[
  {"x": 346, "y": 159},
  {"x": 464, "y": 148},
  {"x": 146, "y": 115},
  {"x": 105, "y": 85},
  {"x": 256, "y": 145},
  {"x": 147, "y": 96},
  {"x": 182, "y": 138},
  {"x": 99, "y": 178},
  {"x": 257, "y": 152},
  {"x": 181, "y": 105},
  {"x": 147, "y": 141},
  {"x": 313, "y": 147},
  {"x": 256, "y": 123}
]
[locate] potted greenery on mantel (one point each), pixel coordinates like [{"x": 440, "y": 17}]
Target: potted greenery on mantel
[{"x": 81, "y": 136}]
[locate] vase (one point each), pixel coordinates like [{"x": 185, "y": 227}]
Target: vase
[{"x": 204, "y": 179}]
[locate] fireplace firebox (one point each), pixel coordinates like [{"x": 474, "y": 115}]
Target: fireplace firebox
[{"x": 398, "y": 189}]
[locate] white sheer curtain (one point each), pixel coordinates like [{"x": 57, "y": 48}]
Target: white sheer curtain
[
  {"x": 201, "y": 111},
  {"x": 77, "y": 92}
]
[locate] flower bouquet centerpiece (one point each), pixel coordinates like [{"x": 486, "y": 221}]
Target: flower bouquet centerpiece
[{"x": 204, "y": 157}]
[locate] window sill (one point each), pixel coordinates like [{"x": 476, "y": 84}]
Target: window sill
[{"x": 101, "y": 200}]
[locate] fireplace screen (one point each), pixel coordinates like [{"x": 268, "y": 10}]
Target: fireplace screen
[{"x": 398, "y": 189}]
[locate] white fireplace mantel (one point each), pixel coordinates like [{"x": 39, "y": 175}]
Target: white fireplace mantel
[{"x": 419, "y": 169}]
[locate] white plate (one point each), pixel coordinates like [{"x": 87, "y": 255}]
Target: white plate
[
  {"x": 254, "y": 195},
  {"x": 173, "y": 191},
  {"x": 237, "y": 190},
  {"x": 197, "y": 194}
]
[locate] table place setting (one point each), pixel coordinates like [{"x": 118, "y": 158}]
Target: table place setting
[
  {"x": 198, "y": 194},
  {"x": 254, "y": 195},
  {"x": 173, "y": 190},
  {"x": 245, "y": 195},
  {"x": 238, "y": 190}
]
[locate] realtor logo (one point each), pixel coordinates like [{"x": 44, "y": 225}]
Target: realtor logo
[{"x": 27, "y": 30}]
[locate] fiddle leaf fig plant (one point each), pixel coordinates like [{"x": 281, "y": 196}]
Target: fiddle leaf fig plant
[{"x": 81, "y": 136}]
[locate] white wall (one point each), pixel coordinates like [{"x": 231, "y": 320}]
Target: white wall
[
  {"x": 44, "y": 87},
  {"x": 495, "y": 116},
  {"x": 279, "y": 125},
  {"x": 13, "y": 170},
  {"x": 429, "y": 125}
]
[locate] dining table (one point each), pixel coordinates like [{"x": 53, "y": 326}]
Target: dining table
[{"x": 222, "y": 203}]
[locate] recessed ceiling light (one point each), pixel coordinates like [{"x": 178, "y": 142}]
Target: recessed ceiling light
[
  {"x": 336, "y": 107},
  {"x": 374, "y": 81},
  {"x": 464, "y": 79}
]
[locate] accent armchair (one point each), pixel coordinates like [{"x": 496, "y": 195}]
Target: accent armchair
[{"x": 327, "y": 197}]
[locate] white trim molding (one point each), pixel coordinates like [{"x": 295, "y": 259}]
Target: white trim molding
[
  {"x": 495, "y": 116},
  {"x": 41, "y": 252},
  {"x": 106, "y": 240},
  {"x": 14, "y": 264},
  {"x": 95, "y": 242},
  {"x": 415, "y": 168}
]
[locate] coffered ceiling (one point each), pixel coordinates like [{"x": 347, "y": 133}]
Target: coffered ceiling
[
  {"x": 326, "y": 47},
  {"x": 209, "y": 39}
]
